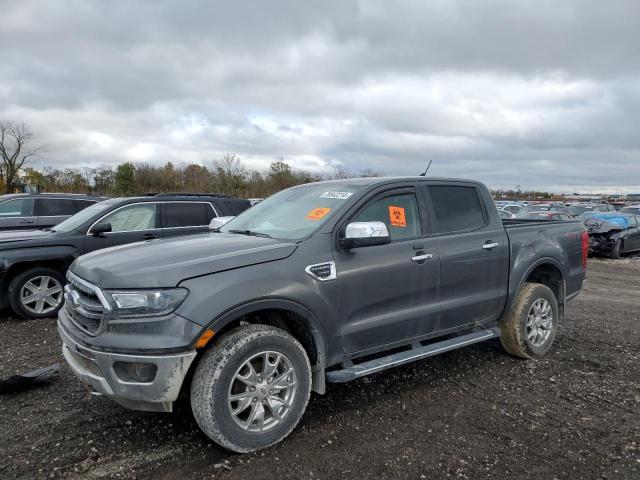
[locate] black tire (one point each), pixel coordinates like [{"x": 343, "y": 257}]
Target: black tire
[
  {"x": 213, "y": 380},
  {"x": 617, "y": 248},
  {"x": 515, "y": 332},
  {"x": 16, "y": 288}
]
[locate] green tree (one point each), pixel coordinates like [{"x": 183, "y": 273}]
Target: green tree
[{"x": 125, "y": 179}]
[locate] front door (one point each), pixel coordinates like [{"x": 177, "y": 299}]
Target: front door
[
  {"x": 131, "y": 223},
  {"x": 386, "y": 293},
  {"x": 474, "y": 258}
]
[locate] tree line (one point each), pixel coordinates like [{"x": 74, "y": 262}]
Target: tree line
[{"x": 227, "y": 175}]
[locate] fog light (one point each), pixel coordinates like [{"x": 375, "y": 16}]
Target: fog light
[{"x": 135, "y": 372}]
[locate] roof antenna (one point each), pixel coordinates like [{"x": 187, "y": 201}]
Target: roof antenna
[{"x": 424, "y": 174}]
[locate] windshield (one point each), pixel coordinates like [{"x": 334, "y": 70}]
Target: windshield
[
  {"x": 580, "y": 209},
  {"x": 73, "y": 222},
  {"x": 293, "y": 213},
  {"x": 536, "y": 208}
]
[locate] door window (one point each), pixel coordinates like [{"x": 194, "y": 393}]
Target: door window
[
  {"x": 398, "y": 212},
  {"x": 456, "y": 208},
  {"x": 18, "y": 207},
  {"x": 186, "y": 214},
  {"x": 141, "y": 216},
  {"x": 54, "y": 207}
]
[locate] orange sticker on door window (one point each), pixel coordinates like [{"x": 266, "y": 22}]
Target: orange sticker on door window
[
  {"x": 317, "y": 213},
  {"x": 397, "y": 216}
]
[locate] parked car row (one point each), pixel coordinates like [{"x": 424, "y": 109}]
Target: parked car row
[{"x": 33, "y": 263}]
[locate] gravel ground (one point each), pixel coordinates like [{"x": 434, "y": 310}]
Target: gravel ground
[{"x": 473, "y": 413}]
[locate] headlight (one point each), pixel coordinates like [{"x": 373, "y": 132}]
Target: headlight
[{"x": 145, "y": 303}]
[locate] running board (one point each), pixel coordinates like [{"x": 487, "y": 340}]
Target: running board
[{"x": 416, "y": 352}]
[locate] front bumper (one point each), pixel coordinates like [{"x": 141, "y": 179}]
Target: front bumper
[{"x": 96, "y": 369}]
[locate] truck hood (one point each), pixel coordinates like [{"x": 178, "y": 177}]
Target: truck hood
[
  {"x": 21, "y": 235},
  {"x": 167, "y": 262}
]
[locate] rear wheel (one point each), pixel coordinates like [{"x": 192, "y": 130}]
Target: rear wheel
[
  {"x": 37, "y": 292},
  {"x": 530, "y": 328},
  {"x": 251, "y": 388}
]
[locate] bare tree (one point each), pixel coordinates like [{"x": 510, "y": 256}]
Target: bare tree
[{"x": 16, "y": 151}]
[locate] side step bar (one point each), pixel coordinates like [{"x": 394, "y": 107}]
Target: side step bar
[{"x": 416, "y": 352}]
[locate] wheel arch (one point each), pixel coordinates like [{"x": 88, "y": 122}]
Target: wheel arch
[
  {"x": 288, "y": 315},
  {"x": 548, "y": 272}
]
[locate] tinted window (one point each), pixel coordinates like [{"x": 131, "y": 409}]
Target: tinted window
[
  {"x": 236, "y": 207},
  {"x": 53, "y": 207},
  {"x": 82, "y": 204},
  {"x": 398, "y": 212},
  {"x": 19, "y": 207},
  {"x": 633, "y": 222},
  {"x": 186, "y": 214},
  {"x": 133, "y": 217},
  {"x": 456, "y": 208}
]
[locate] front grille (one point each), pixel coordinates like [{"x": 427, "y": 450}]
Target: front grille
[{"x": 83, "y": 304}]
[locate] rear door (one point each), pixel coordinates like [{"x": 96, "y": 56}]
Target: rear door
[
  {"x": 387, "y": 295},
  {"x": 474, "y": 255},
  {"x": 17, "y": 213},
  {"x": 130, "y": 223},
  {"x": 186, "y": 218},
  {"x": 52, "y": 211}
]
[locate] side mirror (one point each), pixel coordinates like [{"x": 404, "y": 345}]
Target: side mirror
[
  {"x": 99, "y": 229},
  {"x": 365, "y": 234},
  {"x": 218, "y": 222}
]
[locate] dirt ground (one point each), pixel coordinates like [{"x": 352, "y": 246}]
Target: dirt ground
[{"x": 473, "y": 413}]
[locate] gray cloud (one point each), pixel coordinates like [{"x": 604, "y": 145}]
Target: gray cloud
[{"x": 540, "y": 94}]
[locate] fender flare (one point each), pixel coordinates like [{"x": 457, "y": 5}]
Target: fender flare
[
  {"x": 307, "y": 315},
  {"x": 532, "y": 267}
]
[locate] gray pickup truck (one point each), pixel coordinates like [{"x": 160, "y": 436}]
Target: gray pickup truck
[{"x": 326, "y": 282}]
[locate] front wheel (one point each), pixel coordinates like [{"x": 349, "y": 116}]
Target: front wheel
[
  {"x": 37, "y": 292},
  {"x": 251, "y": 388},
  {"x": 616, "y": 252},
  {"x": 530, "y": 328}
]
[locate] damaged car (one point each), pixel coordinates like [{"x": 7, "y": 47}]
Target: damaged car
[{"x": 613, "y": 234}]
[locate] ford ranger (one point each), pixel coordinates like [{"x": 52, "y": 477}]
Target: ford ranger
[{"x": 325, "y": 282}]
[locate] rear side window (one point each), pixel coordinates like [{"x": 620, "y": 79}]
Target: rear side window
[
  {"x": 456, "y": 208},
  {"x": 82, "y": 204},
  {"x": 186, "y": 214},
  {"x": 398, "y": 212},
  {"x": 236, "y": 207},
  {"x": 54, "y": 207},
  {"x": 18, "y": 207}
]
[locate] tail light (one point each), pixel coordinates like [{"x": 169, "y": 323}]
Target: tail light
[{"x": 585, "y": 249}]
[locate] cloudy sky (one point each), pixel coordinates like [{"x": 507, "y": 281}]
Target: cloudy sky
[{"x": 542, "y": 94}]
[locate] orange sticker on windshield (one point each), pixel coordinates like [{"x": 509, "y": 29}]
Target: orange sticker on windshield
[
  {"x": 397, "y": 216},
  {"x": 317, "y": 213}
]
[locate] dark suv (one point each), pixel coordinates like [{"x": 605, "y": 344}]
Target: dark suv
[
  {"x": 33, "y": 263},
  {"x": 24, "y": 211}
]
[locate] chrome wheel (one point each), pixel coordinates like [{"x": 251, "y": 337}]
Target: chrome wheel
[
  {"x": 262, "y": 391},
  {"x": 539, "y": 322},
  {"x": 41, "y": 294}
]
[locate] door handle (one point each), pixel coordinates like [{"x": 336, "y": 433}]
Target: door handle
[
  {"x": 489, "y": 246},
  {"x": 149, "y": 236},
  {"x": 422, "y": 257},
  {"x": 27, "y": 221}
]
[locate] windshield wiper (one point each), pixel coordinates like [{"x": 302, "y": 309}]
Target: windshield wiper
[{"x": 251, "y": 233}]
